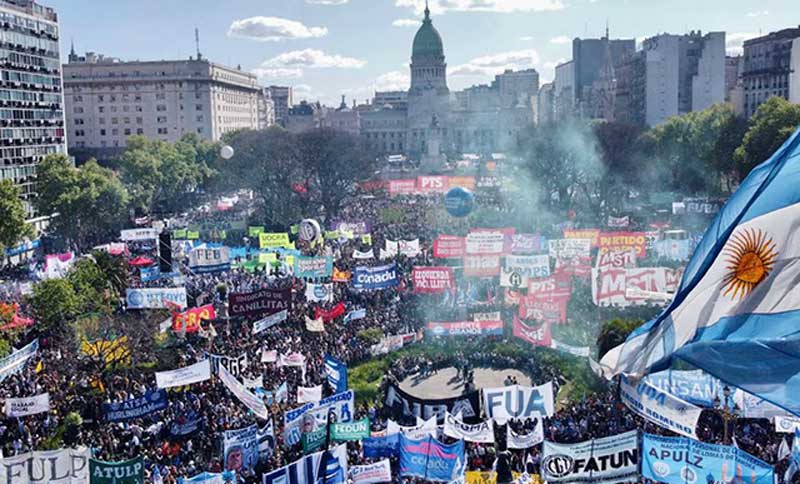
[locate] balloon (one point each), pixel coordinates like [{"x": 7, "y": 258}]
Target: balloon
[
  {"x": 459, "y": 201},
  {"x": 226, "y": 152},
  {"x": 309, "y": 230}
]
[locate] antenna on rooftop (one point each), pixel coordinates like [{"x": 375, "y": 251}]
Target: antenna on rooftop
[{"x": 197, "y": 43}]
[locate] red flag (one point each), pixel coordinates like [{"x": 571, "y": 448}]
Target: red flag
[{"x": 329, "y": 314}]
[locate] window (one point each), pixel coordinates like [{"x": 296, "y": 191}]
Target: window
[
  {"x": 127, "y": 121},
  {"x": 198, "y": 107},
  {"x": 77, "y": 99},
  {"x": 200, "y": 119},
  {"x": 161, "y": 108},
  {"x": 161, "y": 119},
  {"x": 79, "y": 132},
  {"x": 114, "y": 120},
  {"x": 139, "y": 131},
  {"x": 138, "y": 109},
  {"x": 78, "y": 110},
  {"x": 101, "y": 109},
  {"x": 102, "y": 121},
  {"x": 114, "y": 132},
  {"x": 160, "y": 96},
  {"x": 138, "y": 120},
  {"x": 102, "y": 132},
  {"x": 125, "y": 109},
  {"x": 137, "y": 98},
  {"x": 100, "y": 98},
  {"x": 79, "y": 121},
  {"x": 127, "y": 131},
  {"x": 113, "y": 109},
  {"x": 162, "y": 130}
]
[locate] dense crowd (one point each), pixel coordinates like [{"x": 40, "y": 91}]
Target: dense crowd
[{"x": 77, "y": 395}]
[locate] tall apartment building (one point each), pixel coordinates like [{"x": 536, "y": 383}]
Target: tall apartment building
[
  {"x": 589, "y": 57},
  {"x": 771, "y": 68},
  {"x": 266, "y": 109},
  {"x": 670, "y": 76},
  {"x": 108, "y": 100},
  {"x": 31, "y": 101},
  {"x": 546, "y": 105},
  {"x": 282, "y": 98}
]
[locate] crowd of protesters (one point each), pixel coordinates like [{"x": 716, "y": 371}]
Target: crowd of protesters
[{"x": 76, "y": 395}]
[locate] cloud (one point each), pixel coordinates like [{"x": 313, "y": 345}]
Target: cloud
[
  {"x": 313, "y": 58},
  {"x": 548, "y": 71},
  {"x": 561, "y": 39},
  {"x": 405, "y": 22},
  {"x": 278, "y": 73},
  {"x": 734, "y": 42},
  {"x": 273, "y": 29},
  {"x": 526, "y": 38},
  {"x": 390, "y": 81},
  {"x": 327, "y": 2},
  {"x": 502, "y": 6},
  {"x": 758, "y": 13},
  {"x": 495, "y": 64}
]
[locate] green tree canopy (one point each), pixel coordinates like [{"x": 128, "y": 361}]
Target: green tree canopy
[
  {"x": 614, "y": 332},
  {"x": 54, "y": 303},
  {"x": 769, "y": 128},
  {"x": 12, "y": 216}
]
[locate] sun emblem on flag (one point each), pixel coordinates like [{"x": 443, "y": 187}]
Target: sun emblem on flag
[{"x": 750, "y": 258}]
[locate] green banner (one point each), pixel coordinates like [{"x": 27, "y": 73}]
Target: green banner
[
  {"x": 331, "y": 234},
  {"x": 192, "y": 235},
  {"x": 253, "y": 231},
  {"x": 366, "y": 239},
  {"x": 294, "y": 229},
  {"x": 313, "y": 441},
  {"x": 350, "y": 430},
  {"x": 125, "y": 472},
  {"x": 179, "y": 234}
]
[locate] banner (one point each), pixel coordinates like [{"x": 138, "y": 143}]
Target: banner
[
  {"x": 266, "y": 440},
  {"x": 431, "y": 460},
  {"x": 423, "y": 429},
  {"x": 346, "y": 431},
  {"x": 63, "y": 466},
  {"x": 678, "y": 460},
  {"x": 226, "y": 477},
  {"x": 535, "y": 266},
  {"x": 618, "y": 222},
  {"x": 189, "y": 320},
  {"x": 274, "y": 240},
  {"x": 621, "y": 241},
  {"x": 409, "y": 248},
  {"x": 466, "y": 328},
  {"x": 537, "y": 334},
  {"x": 616, "y": 259},
  {"x": 481, "y": 266},
  {"x": 659, "y": 407},
  {"x": 526, "y": 243},
  {"x": 600, "y": 461},
  {"x": 384, "y": 446},
  {"x": 482, "y": 432},
  {"x": 132, "y": 235},
  {"x": 356, "y": 227},
  {"x": 20, "y": 407},
  {"x": 627, "y": 287},
  {"x": 149, "y": 274},
  {"x": 205, "y": 260},
  {"x": 319, "y": 292},
  {"x": 569, "y": 248},
  {"x": 255, "y": 230},
  {"x": 309, "y": 394},
  {"x": 525, "y": 441},
  {"x": 786, "y": 424},
  {"x": 185, "y": 425},
  {"x": 199, "y": 372},
  {"x": 485, "y": 243},
  {"x": 155, "y": 297},
  {"x": 593, "y": 235},
  {"x": 550, "y": 310},
  {"x": 694, "y": 386},
  {"x": 313, "y": 440},
  {"x": 432, "y": 280},
  {"x": 513, "y": 279},
  {"x": 404, "y": 404},
  {"x": 449, "y": 247},
  {"x": 329, "y": 314},
  {"x": 126, "y": 472},
  {"x": 313, "y": 267},
  {"x": 579, "y": 351},
  {"x": 151, "y": 402},
  {"x": 236, "y": 366},
  {"x": 490, "y": 477},
  {"x": 355, "y": 315},
  {"x": 260, "y": 302},
  {"x": 375, "y": 278},
  {"x": 16, "y": 361},
  {"x": 554, "y": 287},
  {"x": 342, "y": 405},
  {"x": 255, "y": 404},
  {"x": 270, "y": 321},
  {"x": 314, "y": 325},
  {"x": 467, "y": 182},
  {"x": 359, "y": 255},
  {"x": 380, "y": 471},
  {"x": 306, "y": 470},
  {"x": 240, "y": 448},
  {"x": 336, "y": 373},
  {"x": 402, "y": 187},
  {"x": 341, "y": 276},
  {"x": 432, "y": 184},
  {"x": 518, "y": 402}
]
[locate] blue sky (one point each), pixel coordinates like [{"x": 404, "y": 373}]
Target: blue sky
[{"x": 326, "y": 48}]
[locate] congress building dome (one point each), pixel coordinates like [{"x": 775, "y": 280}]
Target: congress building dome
[{"x": 427, "y": 42}]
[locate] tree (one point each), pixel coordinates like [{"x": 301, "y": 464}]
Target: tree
[
  {"x": 91, "y": 201},
  {"x": 769, "y": 128},
  {"x": 12, "y": 216},
  {"x": 54, "y": 303},
  {"x": 614, "y": 333},
  {"x": 335, "y": 161}
]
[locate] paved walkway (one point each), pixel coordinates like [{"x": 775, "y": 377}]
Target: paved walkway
[{"x": 446, "y": 384}]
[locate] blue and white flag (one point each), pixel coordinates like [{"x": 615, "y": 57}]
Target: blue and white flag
[
  {"x": 736, "y": 310},
  {"x": 337, "y": 374},
  {"x": 794, "y": 458},
  {"x": 355, "y": 315}
]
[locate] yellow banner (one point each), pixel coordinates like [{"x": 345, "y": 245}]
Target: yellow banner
[
  {"x": 115, "y": 351},
  {"x": 274, "y": 240},
  {"x": 488, "y": 477},
  {"x": 267, "y": 258}
]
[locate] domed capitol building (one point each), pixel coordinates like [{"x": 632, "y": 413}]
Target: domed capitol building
[{"x": 429, "y": 122}]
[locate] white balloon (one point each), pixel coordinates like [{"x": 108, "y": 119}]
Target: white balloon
[{"x": 226, "y": 152}]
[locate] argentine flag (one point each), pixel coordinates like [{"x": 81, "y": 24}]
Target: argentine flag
[
  {"x": 337, "y": 374},
  {"x": 736, "y": 313}
]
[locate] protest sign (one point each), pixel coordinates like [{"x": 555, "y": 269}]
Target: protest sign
[
  {"x": 518, "y": 402},
  {"x": 608, "y": 460}
]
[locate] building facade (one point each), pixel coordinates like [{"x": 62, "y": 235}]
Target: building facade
[
  {"x": 31, "y": 100},
  {"x": 108, "y": 100},
  {"x": 771, "y": 68},
  {"x": 282, "y": 99}
]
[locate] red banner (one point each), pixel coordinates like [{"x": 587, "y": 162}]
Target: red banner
[
  {"x": 448, "y": 247},
  {"x": 190, "y": 319},
  {"x": 329, "y": 314},
  {"x": 402, "y": 187},
  {"x": 481, "y": 265},
  {"x": 544, "y": 309},
  {"x": 432, "y": 280},
  {"x": 591, "y": 234},
  {"x": 537, "y": 334},
  {"x": 432, "y": 184},
  {"x": 621, "y": 241},
  {"x": 577, "y": 266},
  {"x": 512, "y": 297},
  {"x": 467, "y": 182},
  {"x": 340, "y": 276},
  {"x": 554, "y": 287}
]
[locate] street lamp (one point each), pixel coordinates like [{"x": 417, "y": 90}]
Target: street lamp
[{"x": 728, "y": 411}]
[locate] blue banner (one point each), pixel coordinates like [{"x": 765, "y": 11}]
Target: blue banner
[
  {"x": 431, "y": 460},
  {"x": 136, "y": 407},
  {"x": 678, "y": 460},
  {"x": 697, "y": 386},
  {"x": 148, "y": 274},
  {"x": 378, "y": 447},
  {"x": 337, "y": 374},
  {"x": 17, "y": 360},
  {"x": 375, "y": 278},
  {"x": 355, "y": 315},
  {"x": 185, "y": 425},
  {"x": 313, "y": 267}
]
